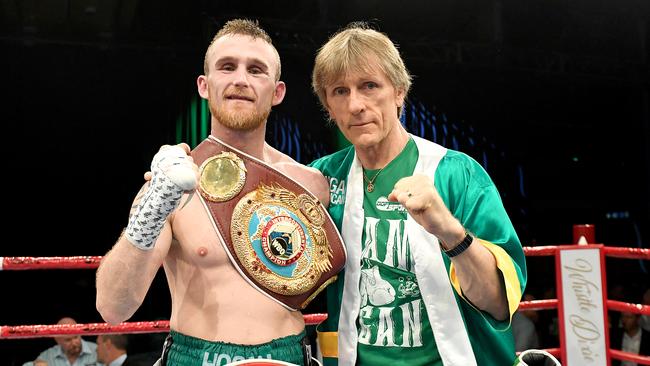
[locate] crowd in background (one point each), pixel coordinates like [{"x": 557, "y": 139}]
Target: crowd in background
[{"x": 627, "y": 331}]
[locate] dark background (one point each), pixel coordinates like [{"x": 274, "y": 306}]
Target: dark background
[{"x": 556, "y": 92}]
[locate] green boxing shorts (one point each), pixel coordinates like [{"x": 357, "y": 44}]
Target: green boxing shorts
[{"x": 183, "y": 350}]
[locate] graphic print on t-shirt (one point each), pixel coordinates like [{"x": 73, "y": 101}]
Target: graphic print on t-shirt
[
  {"x": 392, "y": 318},
  {"x": 391, "y": 305}
]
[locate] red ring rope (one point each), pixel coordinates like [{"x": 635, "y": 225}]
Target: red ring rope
[
  {"x": 88, "y": 262},
  {"x": 161, "y": 326},
  {"x": 614, "y": 252},
  {"x": 25, "y": 263},
  {"x": 538, "y": 304},
  {"x": 628, "y": 307},
  {"x": 627, "y": 253},
  {"x": 626, "y": 356},
  {"x": 540, "y": 251},
  {"x": 91, "y": 262}
]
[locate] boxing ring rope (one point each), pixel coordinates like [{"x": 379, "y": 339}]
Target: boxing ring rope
[
  {"x": 160, "y": 326},
  {"x": 611, "y": 305},
  {"x": 92, "y": 262},
  {"x": 550, "y": 304},
  {"x": 613, "y": 252},
  {"x": 30, "y": 263}
]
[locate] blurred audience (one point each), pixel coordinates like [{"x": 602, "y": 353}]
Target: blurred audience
[
  {"x": 69, "y": 350},
  {"x": 630, "y": 338},
  {"x": 616, "y": 292},
  {"x": 524, "y": 327},
  {"x": 35, "y": 363},
  {"x": 644, "y": 322},
  {"x": 547, "y": 323},
  {"x": 111, "y": 349}
]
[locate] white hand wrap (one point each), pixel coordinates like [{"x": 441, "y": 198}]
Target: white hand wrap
[{"x": 172, "y": 174}]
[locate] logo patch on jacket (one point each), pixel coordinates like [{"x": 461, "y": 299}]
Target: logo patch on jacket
[
  {"x": 383, "y": 204},
  {"x": 337, "y": 191}
]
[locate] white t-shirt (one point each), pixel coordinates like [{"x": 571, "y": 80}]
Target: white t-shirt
[{"x": 631, "y": 344}]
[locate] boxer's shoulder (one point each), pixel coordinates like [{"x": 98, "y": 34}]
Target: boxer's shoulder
[{"x": 309, "y": 177}]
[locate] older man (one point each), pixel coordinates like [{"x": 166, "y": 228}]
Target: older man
[
  {"x": 435, "y": 269},
  {"x": 69, "y": 350},
  {"x": 111, "y": 349},
  {"x": 630, "y": 338}
]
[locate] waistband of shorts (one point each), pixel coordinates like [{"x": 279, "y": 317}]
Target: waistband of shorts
[{"x": 184, "y": 340}]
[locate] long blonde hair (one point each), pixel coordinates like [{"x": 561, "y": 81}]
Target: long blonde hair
[{"x": 353, "y": 48}]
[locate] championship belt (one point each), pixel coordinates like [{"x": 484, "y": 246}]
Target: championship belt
[{"x": 276, "y": 233}]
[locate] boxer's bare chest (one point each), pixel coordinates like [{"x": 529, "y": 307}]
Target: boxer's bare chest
[{"x": 195, "y": 237}]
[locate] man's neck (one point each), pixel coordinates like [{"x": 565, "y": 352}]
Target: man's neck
[
  {"x": 378, "y": 156},
  {"x": 72, "y": 358},
  {"x": 115, "y": 357},
  {"x": 633, "y": 332},
  {"x": 250, "y": 141}
]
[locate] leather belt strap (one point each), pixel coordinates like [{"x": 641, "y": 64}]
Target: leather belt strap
[{"x": 276, "y": 233}]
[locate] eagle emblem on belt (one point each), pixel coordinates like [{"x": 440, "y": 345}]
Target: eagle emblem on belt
[{"x": 278, "y": 237}]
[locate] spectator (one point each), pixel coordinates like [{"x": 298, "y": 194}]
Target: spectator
[
  {"x": 35, "y": 363},
  {"x": 111, "y": 349},
  {"x": 523, "y": 327},
  {"x": 523, "y": 330},
  {"x": 548, "y": 323},
  {"x": 631, "y": 338},
  {"x": 616, "y": 292},
  {"x": 69, "y": 350},
  {"x": 645, "y": 319},
  {"x": 533, "y": 315}
]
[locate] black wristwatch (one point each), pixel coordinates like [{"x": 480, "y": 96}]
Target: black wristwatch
[{"x": 460, "y": 247}]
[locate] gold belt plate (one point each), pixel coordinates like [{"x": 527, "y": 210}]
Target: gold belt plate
[
  {"x": 279, "y": 239},
  {"x": 222, "y": 177}
]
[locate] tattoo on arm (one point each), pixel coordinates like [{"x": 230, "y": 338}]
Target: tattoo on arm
[
  {"x": 189, "y": 198},
  {"x": 141, "y": 191},
  {"x": 138, "y": 197}
]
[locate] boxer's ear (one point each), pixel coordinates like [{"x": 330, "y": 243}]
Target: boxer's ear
[{"x": 202, "y": 86}]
